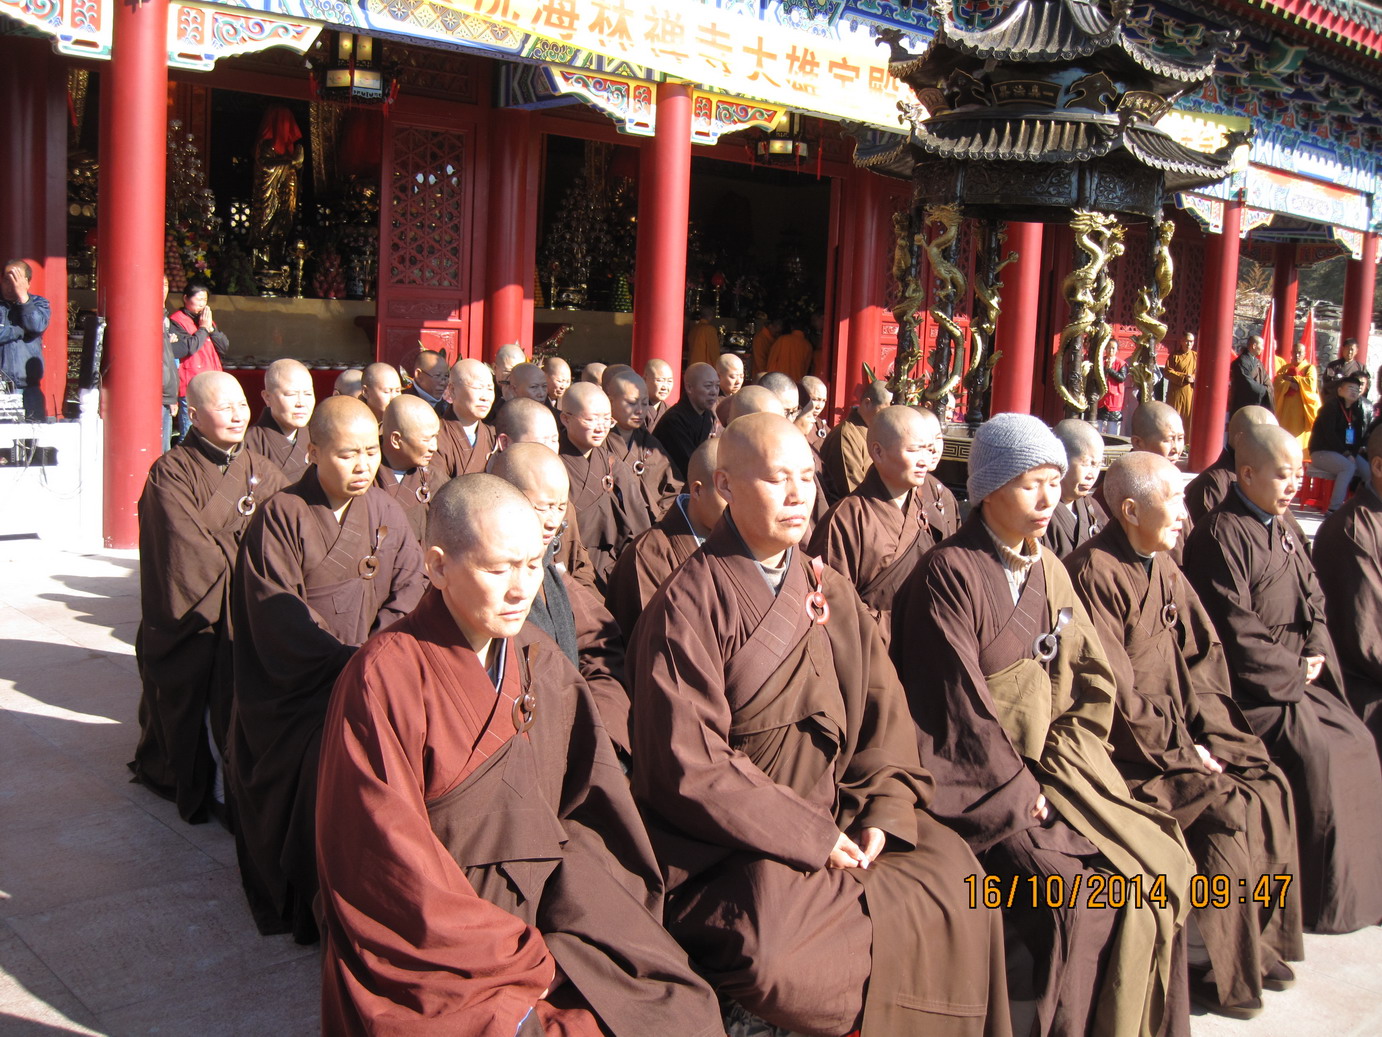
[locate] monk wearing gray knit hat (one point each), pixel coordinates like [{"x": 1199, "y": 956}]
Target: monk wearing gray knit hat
[{"x": 1006, "y": 446}]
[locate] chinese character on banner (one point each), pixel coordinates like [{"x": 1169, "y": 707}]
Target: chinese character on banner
[
  {"x": 802, "y": 62},
  {"x": 878, "y": 79},
  {"x": 665, "y": 28},
  {"x": 612, "y": 21},
  {"x": 760, "y": 54},
  {"x": 558, "y": 16},
  {"x": 712, "y": 38},
  {"x": 844, "y": 71},
  {"x": 494, "y": 9}
]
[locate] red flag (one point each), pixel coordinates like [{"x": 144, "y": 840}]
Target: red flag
[
  {"x": 1269, "y": 330},
  {"x": 1307, "y": 336}
]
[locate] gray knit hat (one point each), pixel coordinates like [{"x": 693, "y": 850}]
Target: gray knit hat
[{"x": 1006, "y": 446}]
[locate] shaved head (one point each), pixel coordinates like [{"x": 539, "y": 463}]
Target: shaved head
[
  {"x": 661, "y": 379},
  {"x": 656, "y": 368},
  {"x": 1268, "y": 459},
  {"x": 582, "y": 398},
  {"x": 731, "y": 371},
  {"x": 1246, "y": 417},
  {"x": 410, "y": 416},
  {"x": 750, "y": 439},
  {"x": 613, "y": 371},
  {"x": 877, "y": 393},
  {"x": 1157, "y": 428},
  {"x": 703, "y": 462},
  {"x": 593, "y": 373},
  {"x": 340, "y": 418},
  {"x": 526, "y": 421},
  {"x": 622, "y": 376},
  {"x": 529, "y": 466},
  {"x": 785, "y": 389},
  {"x": 705, "y": 505},
  {"x": 508, "y": 355},
  {"x": 527, "y": 379},
  {"x": 467, "y": 368},
  {"x": 471, "y": 388},
  {"x": 284, "y": 372},
  {"x": 379, "y": 385},
  {"x": 767, "y": 475},
  {"x": 1140, "y": 477},
  {"x": 1265, "y": 445},
  {"x": 896, "y": 424},
  {"x": 1079, "y": 438},
  {"x": 754, "y": 399},
  {"x": 555, "y": 364},
  {"x": 378, "y": 375},
  {"x": 464, "y": 513},
  {"x": 348, "y": 382},
  {"x": 206, "y": 387}
]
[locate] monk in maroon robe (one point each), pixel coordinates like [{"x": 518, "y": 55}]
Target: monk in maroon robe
[
  {"x": 1206, "y": 490},
  {"x": 1078, "y": 516},
  {"x": 324, "y": 564},
  {"x": 1260, "y": 588},
  {"x": 465, "y": 441},
  {"x": 1013, "y": 701},
  {"x": 407, "y": 445},
  {"x": 485, "y": 871},
  {"x": 635, "y": 445},
  {"x": 775, "y": 766},
  {"x": 1184, "y": 747},
  {"x": 281, "y": 433},
  {"x": 194, "y": 509}
]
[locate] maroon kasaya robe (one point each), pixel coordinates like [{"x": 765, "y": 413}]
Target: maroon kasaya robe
[
  {"x": 412, "y": 493},
  {"x": 465, "y": 862},
  {"x": 190, "y": 525},
  {"x": 647, "y": 458},
  {"x": 1070, "y": 527},
  {"x": 305, "y": 607},
  {"x": 608, "y": 503},
  {"x": 266, "y": 437},
  {"x": 456, "y": 456},
  {"x": 1258, "y": 585},
  {"x": 646, "y": 563},
  {"x": 758, "y": 736}
]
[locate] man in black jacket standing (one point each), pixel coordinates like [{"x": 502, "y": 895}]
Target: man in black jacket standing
[{"x": 1250, "y": 383}]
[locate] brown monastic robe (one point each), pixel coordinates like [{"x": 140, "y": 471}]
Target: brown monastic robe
[
  {"x": 845, "y": 457},
  {"x": 465, "y": 862},
  {"x": 1204, "y": 492},
  {"x": 190, "y": 524},
  {"x": 648, "y": 459},
  {"x": 873, "y": 542},
  {"x": 1177, "y": 553},
  {"x": 570, "y": 556},
  {"x": 305, "y": 604},
  {"x": 654, "y": 414},
  {"x": 1173, "y": 693},
  {"x": 941, "y": 509},
  {"x": 1260, "y": 589},
  {"x": 997, "y": 727},
  {"x": 266, "y": 437},
  {"x": 1073, "y": 525},
  {"x": 456, "y": 456},
  {"x": 412, "y": 493},
  {"x": 646, "y": 563},
  {"x": 1348, "y": 558},
  {"x": 759, "y": 735},
  {"x": 609, "y": 505}
]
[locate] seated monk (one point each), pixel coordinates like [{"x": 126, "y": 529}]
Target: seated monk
[
  {"x": 1259, "y": 586},
  {"x": 939, "y": 505},
  {"x": 567, "y": 612},
  {"x": 485, "y": 871},
  {"x": 325, "y": 563},
  {"x": 379, "y": 384},
  {"x": 660, "y": 379},
  {"x": 653, "y": 556},
  {"x": 1078, "y": 516},
  {"x": 1184, "y": 747},
  {"x": 691, "y": 420},
  {"x": 281, "y": 433},
  {"x": 466, "y": 441},
  {"x": 407, "y": 444},
  {"x": 777, "y": 772},
  {"x": 844, "y": 451},
  {"x": 349, "y": 383},
  {"x": 1207, "y": 489},
  {"x": 877, "y": 534},
  {"x": 1348, "y": 556},
  {"x": 1013, "y": 701},
  {"x": 196, "y": 503},
  {"x": 635, "y": 445},
  {"x": 818, "y": 394},
  {"x": 783, "y": 396},
  {"x": 1157, "y": 429}
]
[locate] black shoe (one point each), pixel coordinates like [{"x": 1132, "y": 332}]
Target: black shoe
[
  {"x": 1279, "y": 977},
  {"x": 1204, "y": 993}
]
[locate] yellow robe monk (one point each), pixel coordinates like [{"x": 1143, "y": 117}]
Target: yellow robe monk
[
  {"x": 762, "y": 346},
  {"x": 1180, "y": 382},
  {"x": 703, "y": 344},
  {"x": 791, "y": 354},
  {"x": 1296, "y": 394}
]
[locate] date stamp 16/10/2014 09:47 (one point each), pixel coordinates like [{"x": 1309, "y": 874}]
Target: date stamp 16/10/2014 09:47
[{"x": 1119, "y": 891}]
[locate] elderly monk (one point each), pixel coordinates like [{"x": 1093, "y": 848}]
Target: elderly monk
[
  {"x": 194, "y": 509},
  {"x": 606, "y": 496},
  {"x": 792, "y": 352},
  {"x": 528, "y": 379},
  {"x": 1348, "y": 556},
  {"x": 1013, "y": 701},
  {"x": 845, "y": 451},
  {"x": 691, "y": 420},
  {"x": 466, "y": 441},
  {"x": 545, "y": 918},
  {"x": 281, "y": 433},
  {"x": 776, "y": 769},
  {"x": 1184, "y": 747},
  {"x": 1157, "y": 429},
  {"x": 379, "y": 384},
  {"x": 326, "y": 562},
  {"x": 635, "y": 445},
  {"x": 787, "y": 391},
  {"x": 1078, "y": 516},
  {"x": 430, "y": 376},
  {"x": 877, "y": 534},
  {"x": 565, "y": 610},
  {"x": 768, "y": 398},
  {"x": 407, "y": 444},
  {"x": 703, "y": 339},
  {"x": 558, "y": 373},
  {"x": 348, "y": 383},
  {"x": 661, "y": 380},
  {"x": 652, "y": 556},
  {"x": 1259, "y": 587},
  {"x": 1296, "y": 395},
  {"x": 506, "y": 358},
  {"x": 1207, "y": 489}
]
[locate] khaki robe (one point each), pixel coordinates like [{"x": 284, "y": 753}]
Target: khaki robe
[
  {"x": 456, "y": 456},
  {"x": 647, "y": 458},
  {"x": 1173, "y": 693},
  {"x": 1072, "y": 526},
  {"x": 304, "y": 606},
  {"x": 758, "y": 737},
  {"x": 607, "y": 500},
  {"x": 997, "y": 727},
  {"x": 1180, "y": 382},
  {"x": 266, "y": 437},
  {"x": 1260, "y": 589},
  {"x": 412, "y": 493},
  {"x": 645, "y": 564},
  {"x": 845, "y": 456},
  {"x": 190, "y": 525},
  {"x": 466, "y": 862}
]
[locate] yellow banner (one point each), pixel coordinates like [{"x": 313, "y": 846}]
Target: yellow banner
[{"x": 725, "y": 51}]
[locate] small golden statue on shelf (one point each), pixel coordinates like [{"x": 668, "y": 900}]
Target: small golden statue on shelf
[{"x": 300, "y": 254}]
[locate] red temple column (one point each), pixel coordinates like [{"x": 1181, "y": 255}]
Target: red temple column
[
  {"x": 861, "y": 304},
  {"x": 1284, "y": 285},
  {"x": 1016, "y": 335},
  {"x": 133, "y": 270},
  {"x": 664, "y": 205},
  {"x": 1216, "y": 349},
  {"x": 512, "y": 237},
  {"x": 33, "y": 189},
  {"x": 1360, "y": 284}
]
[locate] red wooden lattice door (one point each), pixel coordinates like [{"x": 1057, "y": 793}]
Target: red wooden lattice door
[{"x": 424, "y": 234}]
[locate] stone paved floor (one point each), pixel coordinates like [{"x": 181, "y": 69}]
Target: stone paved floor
[{"x": 118, "y": 918}]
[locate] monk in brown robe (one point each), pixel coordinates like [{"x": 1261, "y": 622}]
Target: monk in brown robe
[
  {"x": 939, "y": 505},
  {"x": 777, "y": 771},
  {"x": 1348, "y": 555},
  {"x": 1184, "y": 747},
  {"x": 466, "y": 441},
  {"x": 281, "y": 433},
  {"x": 606, "y": 496},
  {"x": 661, "y": 380},
  {"x": 485, "y": 871},
  {"x": 1157, "y": 429},
  {"x": 325, "y": 563},
  {"x": 819, "y": 395},
  {"x": 564, "y": 610},
  {"x": 558, "y": 373},
  {"x": 194, "y": 509},
  {"x": 1206, "y": 490},
  {"x": 877, "y": 534},
  {"x": 348, "y": 383},
  {"x": 1013, "y": 701},
  {"x": 379, "y": 384},
  {"x": 1259, "y": 587},
  {"x": 777, "y": 394},
  {"x": 635, "y": 445},
  {"x": 407, "y": 444},
  {"x": 845, "y": 451},
  {"x": 730, "y": 368},
  {"x": 691, "y": 420},
  {"x": 530, "y": 380},
  {"x": 1078, "y": 516},
  {"x": 653, "y": 556}
]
